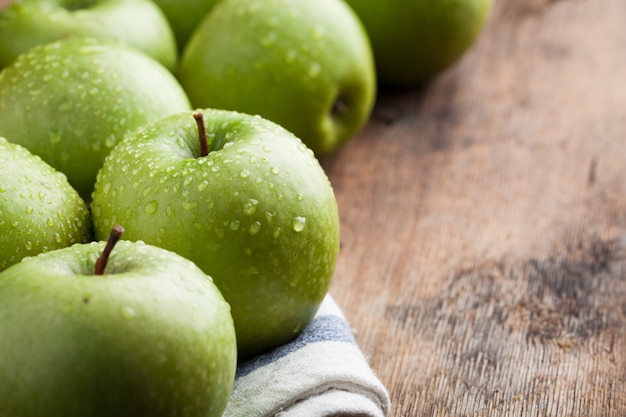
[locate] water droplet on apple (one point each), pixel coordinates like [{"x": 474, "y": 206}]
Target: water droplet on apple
[
  {"x": 250, "y": 206},
  {"x": 298, "y": 224},
  {"x": 269, "y": 39},
  {"x": 28, "y": 210},
  {"x": 203, "y": 186},
  {"x": 151, "y": 207},
  {"x": 244, "y": 173},
  {"x": 314, "y": 70},
  {"x": 170, "y": 212},
  {"x": 254, "y": 228},
  {"x": 275, "y": 171},
  {"x": 28, "y": 245},
  {"x": 277, "y": 232},
  {"x": 54, "y": 137},
  {"x": 299, "y": 197},
  {"x": 50, "y": 222},
  {"x": 110, "y": 141},
  {"x": 189, "y": 205},
  {"x": 188, "y": 180},
  {"x": 234, "y": 225},
  {"x": 127, "y": 312},
  {"x": 291, "y": 56}
]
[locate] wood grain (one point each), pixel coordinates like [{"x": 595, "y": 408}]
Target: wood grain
[{"x": 484, "y": 222}]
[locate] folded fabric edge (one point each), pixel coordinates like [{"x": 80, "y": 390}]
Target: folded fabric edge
[
  {"x": 322, "y": 359},
  {"x": 334, "y": 403},
  {"x": 309, "y": 371}
]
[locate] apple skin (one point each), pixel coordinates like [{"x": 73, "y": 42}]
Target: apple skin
[
  {"x": 258, "y": 214},
  {"x": 184, "y": 16},
  {"x": 415, "y": 40},
  {"x": 304, "y": 64},
  {"x": 72, "y": 100},
  {"x": 152, "y": 337},
  {"x": 39, "y": 210},
  {"x": 138, "y": 23}
]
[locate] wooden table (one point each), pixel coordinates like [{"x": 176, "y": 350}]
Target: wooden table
[{"x": 484, "y": 223}]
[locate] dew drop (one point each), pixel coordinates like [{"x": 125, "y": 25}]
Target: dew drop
[
  {"x": 254, "y": 228},
  {"x": 314, "y": 70},
  {"x": 234, "y": 225},
  {"x": 54, "y": 137},
  {"x": 127, "y": 312},
  {"x": 250, "y": 206},
  {"x": 298, "y": 224},
  {"x": 50, "y": 222},
  {"x": 170, "y": 212},
  {"x": 203, "y": 186},
  {"x": 244, "y": 173},
  {"x": 151, "y": 207},
  {"x": 28, "y": 210},
  {"x": 275, "y": 171},
  {"x": 189, "y": 205}
]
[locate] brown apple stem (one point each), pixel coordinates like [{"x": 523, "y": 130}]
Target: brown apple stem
[
  {"x": 204, "y": 144},
  {"x": 103, "y": 259}
]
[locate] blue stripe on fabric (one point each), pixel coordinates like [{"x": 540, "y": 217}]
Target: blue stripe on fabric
[{"x": 322, "y": 329}]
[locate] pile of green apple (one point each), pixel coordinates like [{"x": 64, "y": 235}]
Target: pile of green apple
[{"x": 163, "y": 212}]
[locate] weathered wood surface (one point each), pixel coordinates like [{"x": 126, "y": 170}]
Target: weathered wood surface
[{"x": 484, "y": 223}]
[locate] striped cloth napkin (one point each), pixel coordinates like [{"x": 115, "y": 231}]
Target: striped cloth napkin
[{"x": 322, "y": 373}]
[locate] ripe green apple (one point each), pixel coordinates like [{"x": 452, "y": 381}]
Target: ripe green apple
[
  {"x": 39, "y": 210},
  {"x": 137, "y": 331},
  {"x": 255, "y": 211},
  {"x": 304, "y": 64},
  {"x": 184, "y": 16},
  {"x": 72, "y": 100},
  {"x": 414, "y": 40},
  {"x": 139, "y": 23}
]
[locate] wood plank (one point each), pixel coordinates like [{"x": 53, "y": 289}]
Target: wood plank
[{"x": 484, "y": 222}]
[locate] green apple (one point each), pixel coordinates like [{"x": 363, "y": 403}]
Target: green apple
[
  {"x": 304, "y": 64},
  {"x": 139, "y": 23},
  {"x": 414, "y": 40},
  {"x": 72, "y": 100},
  {"x": 184, "y": 16},
  {"x": 254, "y": 210},
  {"x": 97, "y": 331},
  {"x": 39, "y": 210}
]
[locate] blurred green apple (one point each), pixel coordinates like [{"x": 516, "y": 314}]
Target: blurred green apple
[
  {"x": 139, "y": 23},
  {"x": 72, "y": 100},
  {"x": 304, "y": 64},
  {"x": 184, "y": 16},
  {"x": 39, "y": 210},
  {"x": 414, "y": 40},
  {"x": 255, "y": 211},
  {"x": 143, "y": 334}
]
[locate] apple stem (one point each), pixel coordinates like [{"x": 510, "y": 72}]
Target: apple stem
[
  {"x": 204, "y": 145},
  {"x": 103, "y": 259}
]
